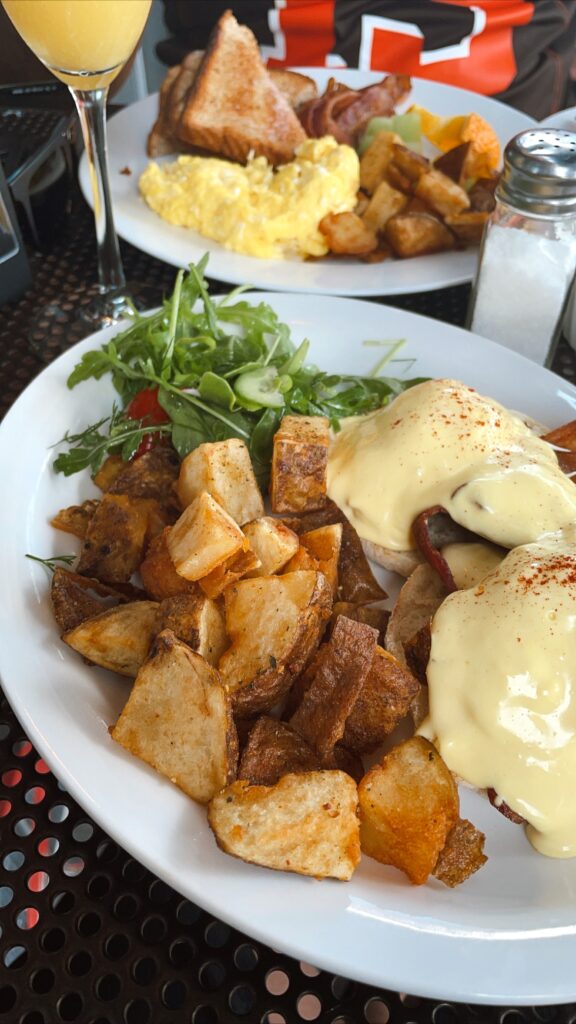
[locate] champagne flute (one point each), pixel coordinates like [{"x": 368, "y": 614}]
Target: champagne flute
[{"x": 86, "y": 43}]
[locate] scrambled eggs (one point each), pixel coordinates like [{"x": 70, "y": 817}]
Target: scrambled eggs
[{"x": 256, "y": 209}]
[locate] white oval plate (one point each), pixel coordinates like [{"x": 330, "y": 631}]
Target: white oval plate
[
  {"x": 127, "y": 134},
  {"x": 507, "y": 936},
  {"x": 565, "y": 119}
]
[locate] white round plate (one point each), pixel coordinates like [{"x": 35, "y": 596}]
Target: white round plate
[
  {"x": 127, "y": 134},
  {"x": 507, "y": 936},
  {"x": 565, "y": 119}
]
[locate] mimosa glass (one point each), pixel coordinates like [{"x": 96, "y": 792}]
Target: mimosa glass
[{"x": 86, "y": 43}]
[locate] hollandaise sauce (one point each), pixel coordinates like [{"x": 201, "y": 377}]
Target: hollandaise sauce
[
  {"x": 501, "y": 677},
  {"x": 442, "y": 443},
  {"x": 256, "y": 209}
]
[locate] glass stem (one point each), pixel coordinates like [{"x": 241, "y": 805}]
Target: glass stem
[{"x": 91, "y": 107}]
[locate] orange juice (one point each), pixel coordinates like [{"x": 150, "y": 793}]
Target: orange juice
[{"x": 83, "y": 42}]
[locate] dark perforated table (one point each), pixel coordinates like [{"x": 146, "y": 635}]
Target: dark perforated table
[{"x": 87, "y": 934}]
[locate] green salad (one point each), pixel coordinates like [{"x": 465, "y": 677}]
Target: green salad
[{"x": 205, "y": 369}]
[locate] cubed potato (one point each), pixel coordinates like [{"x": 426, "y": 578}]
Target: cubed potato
[
  {"x": 178, "y": 720},
  {"x": 158, "y": 573},
  {"x": 118, "y": 639},
  {"x": 417, "y": 234},
  {"x": 274, "y": 749},
  {"x": 356, "y": 581},
  {"x": 375, "y": 160},
  {"x": 198, "y": 622},
  {"x": 272, "y": 542},
  {"x": 299, "y": 462},
  {"x": 203, "y": 538},
  {"x": 370, "y": 614},
  {"x": 320, "y": 549},
  {"x": 441, "y": 193},
  {"x": 399, "y": 180},
  {"x": 274, "y": 624},
  {"x": 109, "y": 470},
  {"x": 115, "y": 538},
  {"x": 348, "y": 234},
  {"x": 453, "y": 163},
  {"x": 385, "y": 202},
  {"x": 461, "y": 855},
  {"x": 481, "y": 195},
  {"x": 382, "y": 703},
  {"x": 235, "y": 568},
  {"x": 306, "y": 823},
  {"x": 224, "y": 470},
  {"x": 152, "y": 475},
  {"x": 335, "y": 680},
  {"x": 76, "y": 598},
  {"x": 412, "y": 165},
  {"x": 408, "y": 805},
  {"x": 76, "y": 518},
  {"x": 468, "y": 227}
]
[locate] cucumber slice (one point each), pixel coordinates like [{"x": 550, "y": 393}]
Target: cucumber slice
[{"x": 261, "y": 386}]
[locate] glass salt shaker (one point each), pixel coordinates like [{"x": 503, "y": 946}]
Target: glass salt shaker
[{"x": 528, "y": 253}]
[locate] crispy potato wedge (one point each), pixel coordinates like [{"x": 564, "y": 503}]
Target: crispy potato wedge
[
  {"x": 203, "y": 538},
  {"x": 410, "y": 164},
  {"x": 408, "y": 805},
  {"x": 274, "y": 624},
  {"x": 333, "y": 688},
  {"x": 370, "y": 614},
  {"x": 109, "y": 470},
  {"x": 178, "y": 720},
  {"x": 417, "y": 234},
  {"x": 417, "y": 653},
  {"x": 441, "y": 193},
  {"x": 306, "y": 823},
  {"x": 158, "y": 573},
  {"x": 76, "y": 598},
  {"x": 356, "y": 581},
  {"x": 115, "y": 537},
  {"x": 320, "y": 549},
  {"x": 234, "y": 569},
  {"x": 119, "y": 638},
  {"x": 272, "y": 542},
  {"x": 383, "y": 701},
  {"x": 385, "y": 202},
  {"x": 461, "y": 855},
  {"x": 418, "y": 600},
  {"x": 468, "y": 226},
  {"x": 374, "y": 161},
  {"x": 224, "y": 470},
  {"x": 481, "y": 195},
  {"x": 274, "y": 749},
  {"x": 299, "y": 461},
  {"x": 348, "y": 234},
  {"x": 151, "y": 475},
  {"x": 453, "y": 162},
  {"x": 76, "y": 518},
  {"x": 198, "y": 622}
]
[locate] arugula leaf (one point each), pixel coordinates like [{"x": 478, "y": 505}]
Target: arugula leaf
[{"x": 223, "y": 368}]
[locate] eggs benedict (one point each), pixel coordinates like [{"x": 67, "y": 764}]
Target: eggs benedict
[
  {"x": 442, "y": 444},
  {"x": 501, "y": 679}
]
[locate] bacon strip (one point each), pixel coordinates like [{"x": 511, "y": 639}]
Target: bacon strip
[
  {"x": 434, "y": 557},
  {"x": 344, "y": 113}
]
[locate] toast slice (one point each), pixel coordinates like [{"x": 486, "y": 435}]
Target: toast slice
[
  {"x": 163, "y": 138},
  {"x": 233, "y": 107}
]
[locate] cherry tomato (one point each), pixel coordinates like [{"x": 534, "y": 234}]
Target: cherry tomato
[{"x": 146, "y": 408}]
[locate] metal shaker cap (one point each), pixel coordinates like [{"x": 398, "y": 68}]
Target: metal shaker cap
[{"x": 539, "y": 173}]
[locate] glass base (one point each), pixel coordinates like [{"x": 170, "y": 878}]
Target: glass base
[{"x": 58, "y": 326}]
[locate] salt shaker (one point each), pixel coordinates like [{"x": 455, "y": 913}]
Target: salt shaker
[{"x": 528, "y": 253}]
